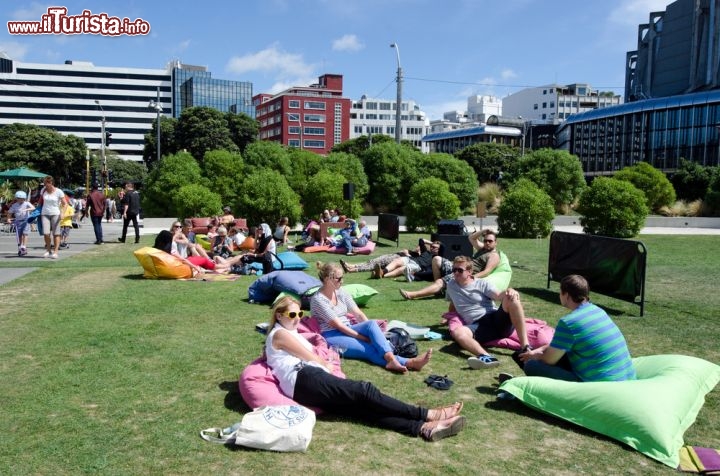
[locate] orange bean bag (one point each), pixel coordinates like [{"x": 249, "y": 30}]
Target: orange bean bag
[{"x": 161, "y": 265}]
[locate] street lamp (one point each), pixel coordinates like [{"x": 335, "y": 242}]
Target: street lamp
[
  {"x": 157, "y": 107},
  {"x": 104, "y": 172},
  {"x": 398, "y": 106},
  {"x": 369, "y": 133},
  {"x": 299, "y": 120},
  {"x": 522, "y": 154}
]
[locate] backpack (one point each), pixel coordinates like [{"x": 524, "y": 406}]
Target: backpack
[{"x": 403, "y": 344}]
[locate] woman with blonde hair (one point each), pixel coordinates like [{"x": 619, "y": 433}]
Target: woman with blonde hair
[
  {"x": 306, "y": 378},
  {"x": 333, "y": 307},
  {"x": 53, "y": 202}
]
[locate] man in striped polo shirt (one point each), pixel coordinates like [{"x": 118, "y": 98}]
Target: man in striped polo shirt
[{"x": 587, "y": 346}]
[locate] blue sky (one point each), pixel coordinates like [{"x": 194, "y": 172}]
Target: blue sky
[{"x": 449, "y": 49}]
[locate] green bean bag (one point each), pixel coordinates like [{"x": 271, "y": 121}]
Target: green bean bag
[{"x": 502, "y": 274}]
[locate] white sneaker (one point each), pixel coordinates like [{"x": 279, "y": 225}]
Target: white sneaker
[
  {"x": 53, "y": 256},
  {"x": 46, "y": 254},
  {"x": 482, "y": 362}
]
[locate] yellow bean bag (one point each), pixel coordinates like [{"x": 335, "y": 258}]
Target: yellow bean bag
[{"x": 161, "y": 265}]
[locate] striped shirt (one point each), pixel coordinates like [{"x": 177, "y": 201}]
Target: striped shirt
[{"x": 595, "y": 346}]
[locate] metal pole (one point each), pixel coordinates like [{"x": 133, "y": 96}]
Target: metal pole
[
  {"x": 301, "y": 130},
  {"x": 104, "y": 158},
  {"x": 87, "y": 171},
  {"x": 398, "y": 105},
  {"x": 158, "y": 109}
]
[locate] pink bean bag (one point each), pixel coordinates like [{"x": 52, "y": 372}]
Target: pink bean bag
[
  {"x": 539, "y": 333},
  {"x": 258, "y": 386},
  {"x": 365, "y": 250}
]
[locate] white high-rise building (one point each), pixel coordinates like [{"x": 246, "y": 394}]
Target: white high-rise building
[
  {"x": 370, "y": 116},
  {"x": 552, "y": 104}
]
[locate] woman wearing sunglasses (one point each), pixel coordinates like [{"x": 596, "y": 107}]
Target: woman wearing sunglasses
[
  {"x": 333, "y": 308},
  {"x": 306, "y": 378}
]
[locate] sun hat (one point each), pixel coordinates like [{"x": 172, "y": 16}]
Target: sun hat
[{"x": 20, "y": 194}]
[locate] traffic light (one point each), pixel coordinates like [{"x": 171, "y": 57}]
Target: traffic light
[
  {"x": 111, "y": 179},
  {"x": 108, "y": 138}
]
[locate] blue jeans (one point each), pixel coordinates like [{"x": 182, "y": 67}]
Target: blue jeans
[
  {"x": 537, "y": 368},
  {"x": 373, "y": 351},
  {"x": 97, "y": 227},
  {"x": 349, "y": 241}
]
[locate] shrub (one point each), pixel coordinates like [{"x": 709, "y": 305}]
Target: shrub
[
  {"x": 711, "y": 205},
  {"x": 490, "y": 195},
  {"x": 691, "y": 180},
  {"x": 196, "y": 200},
  {"x": 612, "y": 207},
  {"x": 173, "y": 172},
  {"x": 653, "y": 183},
  {"x": 430, "y": 200},
  {"x": 526, "y": 211},
  {"x": 266, "y": 196},
  {"x": 325, "y": 190}
]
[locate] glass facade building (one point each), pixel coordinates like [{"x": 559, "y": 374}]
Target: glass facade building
[
  {"x": 658, "y": 131},
  {"x": 194, "y": 86}
]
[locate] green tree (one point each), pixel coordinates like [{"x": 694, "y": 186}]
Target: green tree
[
  {"x": 526, "y": 211},
  {"x": 653, "y": 183},
  {"x": 612, "y": 207},
  {"x": 691, "y": 180},
  {"x": 324, "y": 190},
  {"x": 243, "y": 129},
  {"x": 164, "y": 181},
  {"x": 195, "y": 200},
  {"x": 266, "y": 196},
  {"x": 44, "y": 150},
  {"x": 304, "y": 164},
  {"x": 265, "y": 154},
  {"x": 712, "y": 197},
  {"x": 391, "y": 171},
  {"x": 200, "y": 129},
  {"x": 557, "y": 172},
  {"x": 459, "y": 176},
  {"x": 430, "y": 200},
  {"x": 124, "y": 171},
  {"x": 350, "y": 167},
  {"x": 167, "y": 140},
  {"x": 488, "y": 159},
  {"x": 224, "y": 171},
  {"x": 360, "y": 144}
]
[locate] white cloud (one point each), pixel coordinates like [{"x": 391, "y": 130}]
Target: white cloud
[
  {"x": 14, "y": 50},
  {"x": 347, "y": 43},
  {"x": 634, "y": 12},
  {"x": 271, "y": 60},
  {"x": 508, "y": 74},
  {"x": 183, "y": 45},
  {"x": 436, "y": 110},
  {"x": 279, "y": 86}
]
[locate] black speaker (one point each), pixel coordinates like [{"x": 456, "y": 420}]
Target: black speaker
[
  {"x": 455, "y": 245},
  {"x": 451, "y": 227},
  {"x": 348, "y": 191}
]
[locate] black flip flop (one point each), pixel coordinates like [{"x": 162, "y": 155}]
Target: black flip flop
[{"x": 439, "y": 382}]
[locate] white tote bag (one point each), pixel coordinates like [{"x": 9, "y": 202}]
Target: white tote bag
[{"x": 274, "y": 428}]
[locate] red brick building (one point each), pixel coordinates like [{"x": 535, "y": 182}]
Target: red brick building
[{"x": 314, "y": 117}]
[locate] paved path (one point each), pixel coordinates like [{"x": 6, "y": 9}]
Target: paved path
[{"x": 83, "y": 238}]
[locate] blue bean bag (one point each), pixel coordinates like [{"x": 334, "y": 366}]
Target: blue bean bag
[
  {"x": 266, "y": 288},
  {"x": 649, "y": 414}
]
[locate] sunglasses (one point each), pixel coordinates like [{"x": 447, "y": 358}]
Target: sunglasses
[
  {"x": 458, "y": 270},
  {"x": 293, "y": 314},
  {"x": 488, "y": 241},
  {"x": 177, "y": 226},
  {"x": 337, "y": 279}
]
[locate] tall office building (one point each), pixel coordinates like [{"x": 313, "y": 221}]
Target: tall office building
[
  {"x": 553, "y": 103},
  {"x": 673, "y": 108},
  {"x": 678, "y": 51},
  {"x": 313, "y": 118},
  {"x": 74, "y": 97},
  {"x": 194, "y": 86}
]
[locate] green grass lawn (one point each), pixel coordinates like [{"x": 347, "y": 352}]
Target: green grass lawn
[{"x": 104, "y": 372}]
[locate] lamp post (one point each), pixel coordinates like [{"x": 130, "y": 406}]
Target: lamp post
[
  {"x": 299, "y": 120},
  {"x": 369, "y": 133},
  {"x": 398, "y": 106},
  {"x": 104, "y": 172},
  {"x": 522, "y": 154},
  {"x": 157, "y": 107}
]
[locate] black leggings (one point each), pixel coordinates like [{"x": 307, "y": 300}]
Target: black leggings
[{"x": 358, "y": 400}]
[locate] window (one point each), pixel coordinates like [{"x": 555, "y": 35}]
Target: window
[
  {"x": 544, "y": 116},
  {"x": 371, "y": 105},
  {"x": 385, "y": 106},
  {"x": 314, "y": 118},
  {"x": 544, "y": 91},
  {"x": 315, "y": 105},
  {"x": 294, "y": 130},
  {"x": 294, "y": 103},
  {"x": 314, "y": 131},
  {"x": 293, "y": 116},
  {"x": 544, "y": 105},
  {"x": 552, "y": 104},
  {"x": 371, "y": 116},
  {"x": 314, "y": 144},
  {"x": 535, "y": 106}
]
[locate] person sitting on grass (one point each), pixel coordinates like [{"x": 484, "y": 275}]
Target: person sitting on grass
[
  {"x": 379, "y": 261},
  {"x": 222, "y": 244},
  {"x": 281, "y": 231},
  {"x": 587, "y": 345},
  {"x": 485, "y": 260},
  {"x": 182, "y": 244},
  {"x": 307, "y": 378},
  {"x": 198, "y": 264},
  {"x": 354, "y": 236},
  {"x": 476, "y": 319},
  {"x": 332, "y": 306}
]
